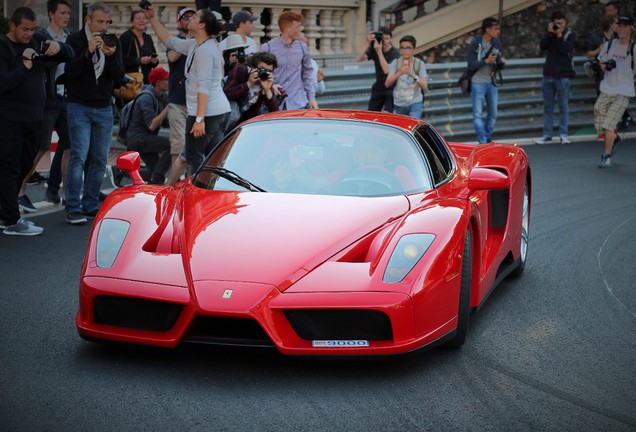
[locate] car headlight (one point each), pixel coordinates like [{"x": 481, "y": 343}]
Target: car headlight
[
  {"x": 409, "y": 250},
  {"x": 110, "y": 237}
]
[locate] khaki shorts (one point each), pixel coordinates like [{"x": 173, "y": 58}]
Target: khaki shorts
[
  {"x": 177, "y": 115},
  {"x": 608, "y": 111}
]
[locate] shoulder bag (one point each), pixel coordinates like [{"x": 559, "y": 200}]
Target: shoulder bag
[{"x": 132, "y": 88}]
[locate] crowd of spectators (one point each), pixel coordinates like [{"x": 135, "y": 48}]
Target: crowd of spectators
[{"x": 66, "y": 82}]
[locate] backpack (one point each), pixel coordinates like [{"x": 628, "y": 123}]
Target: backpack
[{"x": 124, "y": 119}]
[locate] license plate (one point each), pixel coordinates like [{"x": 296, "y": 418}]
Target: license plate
[{"x": 339, "y": 343}]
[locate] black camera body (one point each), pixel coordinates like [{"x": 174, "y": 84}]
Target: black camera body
[
  {"x": 610, "y": 64},
  {"x": 263, "y": 74},
  {"x": 145, "y": 4},
  {"x": 379, "y": 36},
  {"x": 241, "y": 56},
  {"x": 555, "y": 26},
  {"x": 110, "y": 40}
]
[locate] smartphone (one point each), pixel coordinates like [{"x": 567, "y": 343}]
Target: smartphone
[{"x": 154, "y": 55}]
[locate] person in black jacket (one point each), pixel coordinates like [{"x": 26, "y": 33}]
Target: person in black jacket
[
  {"x": 90, "y": 79},
  {"x": 558, "y": 45},
  {"x": 138, "y": 49},
  {"x": 22, "y": 99}
]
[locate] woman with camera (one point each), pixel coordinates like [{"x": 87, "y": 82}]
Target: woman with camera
[
  {"x": 249, "y": 86},
  {"x": 138, "y": 51}
]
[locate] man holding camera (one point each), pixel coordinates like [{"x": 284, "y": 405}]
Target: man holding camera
[
  {"x": 250, "y": 85},
  {"x": 558, "y": 44},
  {"x": 616, "y": 59},
  {"x": 22, "y": 99},
  {"x": 379, "y": 49},
  {"x": 484, "y": 59},
  {"x": 90, "y": 79}
]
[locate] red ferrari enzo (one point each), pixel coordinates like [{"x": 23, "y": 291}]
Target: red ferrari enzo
[{"x": 317, "y": 232}]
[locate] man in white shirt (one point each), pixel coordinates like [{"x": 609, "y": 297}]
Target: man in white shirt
[{"x": 617, "y": 87}]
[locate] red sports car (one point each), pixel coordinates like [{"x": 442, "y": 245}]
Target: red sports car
[{"x": 317, "y": 232}]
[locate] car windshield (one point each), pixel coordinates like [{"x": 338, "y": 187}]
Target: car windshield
[{"x": 316, "y": 156}]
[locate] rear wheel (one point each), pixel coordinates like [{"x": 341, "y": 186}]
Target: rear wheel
[
  {"x": 525, "y": 228},
  {"x": 463, "y": 314}
]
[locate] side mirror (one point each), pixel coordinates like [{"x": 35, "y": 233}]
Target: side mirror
[
  {"x": 131, "y": 162},
  {"x": 487, "y": 179}
]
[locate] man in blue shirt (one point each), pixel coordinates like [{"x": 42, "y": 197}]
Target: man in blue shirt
[{"x": 290, "y": 52}]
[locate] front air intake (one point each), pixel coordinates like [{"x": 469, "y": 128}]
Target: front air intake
[
  {"x": 134, "y": 313},
  {"x": 340, "y": 324},
  {"x": 227, "y": 331}
]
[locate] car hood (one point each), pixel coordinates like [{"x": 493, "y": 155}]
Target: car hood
[{"x": 272, "y": 238}]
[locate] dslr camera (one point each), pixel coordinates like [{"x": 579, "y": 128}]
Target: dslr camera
[
  {"x": 110, "y": 40},
  {"x": 263, "y": 74},
  {"x": 610, "y": 64},
  {"x": 555, "y": 26},
  {"x": 379, "y": 36},
  {"x": 240, "y": 55},
  {"x": 145, "y": 4},
  {"x": 498, "y": 64}
]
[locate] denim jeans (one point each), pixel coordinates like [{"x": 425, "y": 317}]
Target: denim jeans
[
  {"x": 414, "y": 110},
  {"x": 559, "y": 87},
  {"x": 480, "y": 93},
  {"x": 91, "y": 132}
]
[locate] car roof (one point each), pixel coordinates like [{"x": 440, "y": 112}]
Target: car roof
[{"x": 397, "y": 120}]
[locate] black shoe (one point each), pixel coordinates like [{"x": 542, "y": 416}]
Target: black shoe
[
  {"x": 36, "y": 178},
  {"x": 53, "y": 197},
  {"x": 76, "y": 218},
  {"x": 90, "y": 214}
]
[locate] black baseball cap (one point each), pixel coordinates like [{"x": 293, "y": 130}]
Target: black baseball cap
[{"x": 627, "y": 20}]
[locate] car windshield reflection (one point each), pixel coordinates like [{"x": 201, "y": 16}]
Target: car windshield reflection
[{"x": 317, "y": 156}]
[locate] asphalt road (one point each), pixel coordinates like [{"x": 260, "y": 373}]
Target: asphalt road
[{"x": 553, "y": 350}]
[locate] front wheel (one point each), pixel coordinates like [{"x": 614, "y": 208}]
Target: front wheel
[
  {"x": 463, "y": 314},
  {"x": 525, "y": 228}
]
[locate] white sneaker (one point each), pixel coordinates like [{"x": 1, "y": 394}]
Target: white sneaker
[
  {"x": 544, "y": 140},
  {"x": 565, "y": 139},
  {"x": 23, "y": 227}
]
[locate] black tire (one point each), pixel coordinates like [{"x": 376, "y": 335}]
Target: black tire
[
  {"x": 525, "y": 229},
  {"x": 463, "y": 314}
]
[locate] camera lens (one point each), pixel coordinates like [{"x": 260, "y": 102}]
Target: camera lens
[
  {"x": 263, "y": 74},
  {"x": 110, "y": 40}
]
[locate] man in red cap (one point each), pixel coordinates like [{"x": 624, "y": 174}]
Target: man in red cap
[{"x": 149, "y": 113}]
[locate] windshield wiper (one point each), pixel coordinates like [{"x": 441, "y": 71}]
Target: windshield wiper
[{"x": 233, "y": 177}]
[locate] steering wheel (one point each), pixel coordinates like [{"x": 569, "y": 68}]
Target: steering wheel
[{"x": 367, "y": 181}]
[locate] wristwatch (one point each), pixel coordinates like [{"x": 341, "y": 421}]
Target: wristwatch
[{"x": 198, "y": 119}]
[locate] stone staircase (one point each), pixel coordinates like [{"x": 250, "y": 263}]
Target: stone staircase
[{"x": 520, "y": 108}]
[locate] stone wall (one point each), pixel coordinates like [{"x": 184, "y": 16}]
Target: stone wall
[{"x": 522, "y": 32}]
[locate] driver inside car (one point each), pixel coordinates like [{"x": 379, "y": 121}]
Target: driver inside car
[
  {"x": 371, "y": 166},
  {"x": 371, "y": 155}
]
